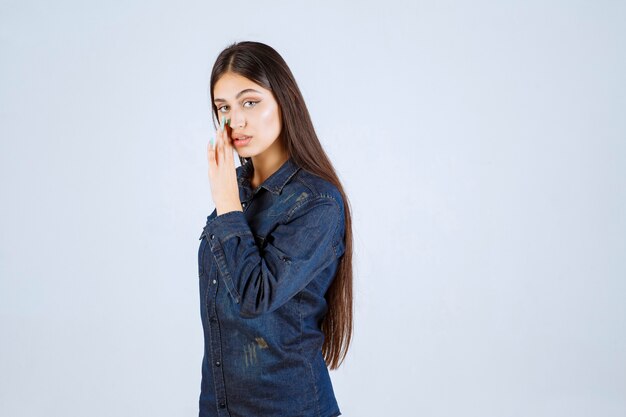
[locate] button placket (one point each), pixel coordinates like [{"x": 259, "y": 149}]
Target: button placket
[
  {"x": 214, "y": 281},
  {"x": 217, "y": 354},
  {"x": 213, "y": 245}
]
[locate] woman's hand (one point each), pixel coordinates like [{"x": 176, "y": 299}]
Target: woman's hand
[{"x": 222, "y": 173}]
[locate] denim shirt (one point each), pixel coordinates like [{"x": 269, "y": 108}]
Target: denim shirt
[{"x": 263, "y": 275}]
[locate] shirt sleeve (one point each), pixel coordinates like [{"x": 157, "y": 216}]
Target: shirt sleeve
[{"x": 263, "y": 279}]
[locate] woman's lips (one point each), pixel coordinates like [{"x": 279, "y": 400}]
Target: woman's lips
[{"x": 242, "y": 142}]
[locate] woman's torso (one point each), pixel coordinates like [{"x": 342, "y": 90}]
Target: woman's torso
[{"x": 270, "y": 364}]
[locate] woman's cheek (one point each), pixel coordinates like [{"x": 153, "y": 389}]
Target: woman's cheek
[
  {"x": 266, "y": 114},
  {"x": 269, "y": 117}
]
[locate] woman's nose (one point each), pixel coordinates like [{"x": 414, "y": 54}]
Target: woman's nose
[{"x": 236, "y": 120}]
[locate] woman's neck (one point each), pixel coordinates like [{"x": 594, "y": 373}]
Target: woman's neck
[{"x": 265, "y": 164}]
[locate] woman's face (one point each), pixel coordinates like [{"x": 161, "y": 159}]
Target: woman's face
[{"x": 252, "y": 111}]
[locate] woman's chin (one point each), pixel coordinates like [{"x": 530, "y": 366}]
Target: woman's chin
[{"x": 243, "y": 154}]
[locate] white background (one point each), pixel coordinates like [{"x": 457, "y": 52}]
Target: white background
[{"x": 482, "y": 145}]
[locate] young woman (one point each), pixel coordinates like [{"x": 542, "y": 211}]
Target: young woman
[{"x": 275, "y": 258}]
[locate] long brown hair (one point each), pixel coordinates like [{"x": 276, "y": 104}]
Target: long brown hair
[{"x": 261, "y": 64}]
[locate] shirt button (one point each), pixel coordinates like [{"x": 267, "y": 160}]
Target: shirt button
[
  {"x": 222, "y": 404},
  {"x": 243, "y": 204},
  {"x": 214, "y": 282},
  {"x": 217, "y": 363},
  {"x": 212, "y": 236}
]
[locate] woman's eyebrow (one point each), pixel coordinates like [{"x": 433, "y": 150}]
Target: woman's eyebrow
[{"x": 247, "y": 90}]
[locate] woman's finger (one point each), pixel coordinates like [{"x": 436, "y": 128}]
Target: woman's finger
[
  {"x": 220, "y": 144},
  {"x": 211, "y": 152},
  {"x": 226, "y": 137},
  {"x": 228, "y": 133}
]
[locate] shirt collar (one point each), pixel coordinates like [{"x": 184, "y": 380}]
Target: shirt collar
[{"x": 274, "y": 183}]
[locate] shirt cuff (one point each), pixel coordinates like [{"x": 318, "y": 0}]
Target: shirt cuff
[{"x": 224, "y": 226}]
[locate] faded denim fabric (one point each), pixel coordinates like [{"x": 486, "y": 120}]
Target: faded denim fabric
[{"x": 263, "y": 275}]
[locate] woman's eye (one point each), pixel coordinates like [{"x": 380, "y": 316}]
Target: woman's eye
[{"x": 244, "y": 104}]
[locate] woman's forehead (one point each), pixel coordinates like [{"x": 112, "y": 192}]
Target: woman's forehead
[{"x": 234, "y": 85}]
